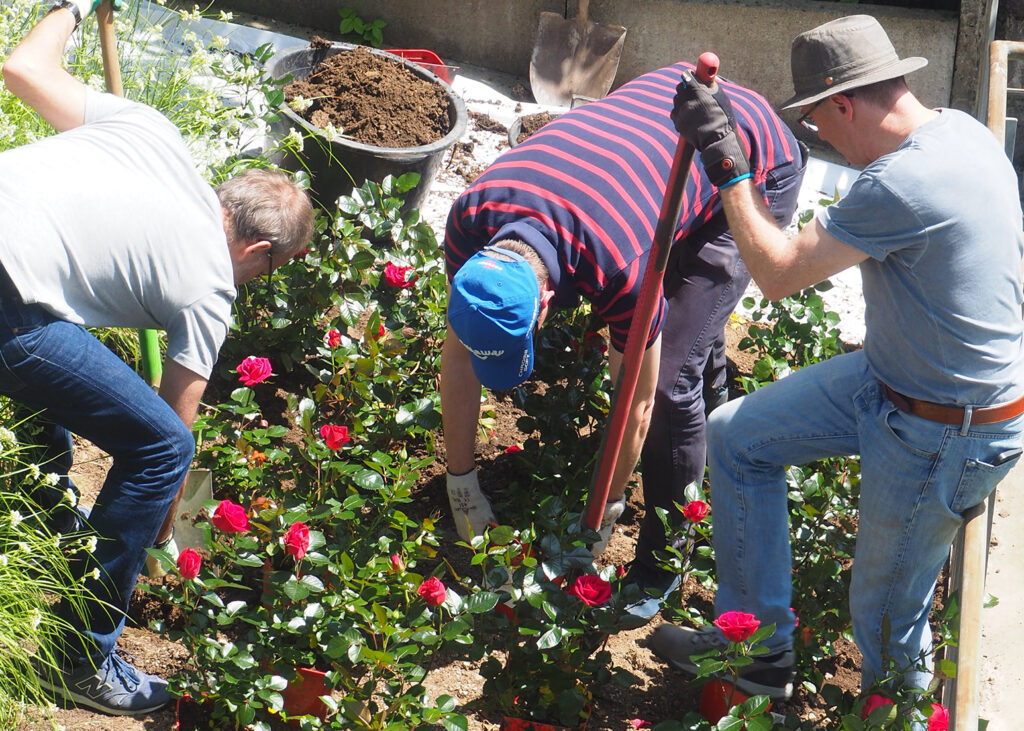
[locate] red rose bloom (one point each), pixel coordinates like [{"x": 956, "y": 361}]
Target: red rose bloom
[
  {"x": 332, "y": 339},
  {"x": 395, "y": 276},
  {"x": 397, "y": 563},
  {"x": 873, "y": 702},
  {"x": 432, "y": 591},
  {"x": 253, "y": 370},
  {"x": 230, "y": 517},
  {"x": 189, "y": 562},
  {"x": 591, "y": 589},
  {"x": 296, "y": 540},
  {"x": 939, "y": 720},
  {"x": 381, "y": 332},
  {"x": 737, "y": 626},
  {"x": 334, "y": 436},
  {"x": 696, "y": 510}
]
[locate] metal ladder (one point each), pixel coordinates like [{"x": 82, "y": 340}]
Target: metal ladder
[{"x": 969, "y": 554}]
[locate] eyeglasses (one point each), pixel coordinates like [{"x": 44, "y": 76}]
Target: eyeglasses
[
  {"x": 270, "y": 265},
  {"x": 805, "y": 118}
]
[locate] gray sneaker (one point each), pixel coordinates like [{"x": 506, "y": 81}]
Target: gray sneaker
[
  {"x": 770, "y": 675},
  {"x": 115, "y": 687}
]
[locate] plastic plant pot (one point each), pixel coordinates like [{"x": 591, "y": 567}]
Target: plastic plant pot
[
  {"x": 302, "y": 696},
  {"x": 717, "y": 697},
  {"x": 428, "y": 60},
  {"x": 337, "y": 166}
]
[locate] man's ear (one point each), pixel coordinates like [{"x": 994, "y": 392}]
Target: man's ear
[{"x": 255, "y": 247}]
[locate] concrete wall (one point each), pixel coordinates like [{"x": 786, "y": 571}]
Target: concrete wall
[{"x": 752, "y": 37}]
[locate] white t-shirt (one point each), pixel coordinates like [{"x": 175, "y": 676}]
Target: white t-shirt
[{"x": 110, "y": 225}]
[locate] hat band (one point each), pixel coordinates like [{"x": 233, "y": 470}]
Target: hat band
[{"x": 844, "y": 74}]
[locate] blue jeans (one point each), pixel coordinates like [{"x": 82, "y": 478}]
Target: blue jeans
[
  {"x": 918, "y": 477},
  {"x": 50, "y": 364},
  {"x": 704, "y": 280}
]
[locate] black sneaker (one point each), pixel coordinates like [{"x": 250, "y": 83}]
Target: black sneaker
[
  {"x": 115, "y": 687},
  {"x": 655, "y": 586},
  {"x": 770, "y": 675}
]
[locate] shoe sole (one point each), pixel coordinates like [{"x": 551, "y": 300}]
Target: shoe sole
[
  {"x": 80, "y": 701},
  {"x": 747, "y": 686}
]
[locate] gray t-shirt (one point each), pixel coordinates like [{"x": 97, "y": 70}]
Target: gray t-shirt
[
  {"x": 110, "y": 225},
  {"x": 940, "y": 219}
]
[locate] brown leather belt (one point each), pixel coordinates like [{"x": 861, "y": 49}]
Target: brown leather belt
[{"x": 954, "y": 414}]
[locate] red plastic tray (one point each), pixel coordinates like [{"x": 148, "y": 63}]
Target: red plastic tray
[{"x": 427, "y": 59}]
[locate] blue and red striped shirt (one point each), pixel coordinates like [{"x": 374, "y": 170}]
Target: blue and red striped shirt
[{"x": 585, "y": 191}]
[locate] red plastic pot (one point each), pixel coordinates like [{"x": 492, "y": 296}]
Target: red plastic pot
[
  {"x": 302, "y": 696},
  {"x": 717, "y": 697}
]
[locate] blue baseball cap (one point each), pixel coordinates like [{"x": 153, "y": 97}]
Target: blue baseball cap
[{"x": 492, "y": 308}]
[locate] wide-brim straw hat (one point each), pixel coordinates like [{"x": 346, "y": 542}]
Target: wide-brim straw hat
[{"x": 843, "y": 54}]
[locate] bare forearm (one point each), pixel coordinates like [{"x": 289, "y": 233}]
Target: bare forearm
[
  {"x": 34, "y": 72},
  {"x": 460, "y": 406},
  {"x": 638, "y": 419},
  {"x": 762, "y": 244}
]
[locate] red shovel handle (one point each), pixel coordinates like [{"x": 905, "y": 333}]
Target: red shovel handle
[{"x": 643, "y": 315}]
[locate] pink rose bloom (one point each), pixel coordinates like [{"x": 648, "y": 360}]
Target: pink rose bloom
[
  {"x": 939, "y": 720},
  {"x": 334, "y": 436},
  {"x": 332, "y": 339},
  {"x": 230, "y": 517},
  {"x": 640, "y": 723},
  {"x": 873, "y": 702},
  {"x": 432, "y": 591},
  {"x": 513, "y": 448},
  {"x": 189, "y": 562},
  {"x": 591, "y": 589},
  {"x": 253, "y": 370},
  {"x": 737, "y": 626},
  {"x": 395, "y": 276},
  {"x": 296, "y": 540},
  {"x": 696, "y": 510}
]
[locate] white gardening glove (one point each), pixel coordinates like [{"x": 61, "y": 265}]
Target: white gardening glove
[
  {"x": 612, "y": 512},
  {"x": 471, "y": 510}
]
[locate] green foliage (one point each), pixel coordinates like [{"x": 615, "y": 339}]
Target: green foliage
[
  {"x": 351, "y": 26},
  {"x": 551, "y": 633},
  {"x": 35, "y": 570}
]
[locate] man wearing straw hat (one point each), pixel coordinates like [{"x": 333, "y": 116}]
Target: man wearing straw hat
[{"x": 932, "y": 403}]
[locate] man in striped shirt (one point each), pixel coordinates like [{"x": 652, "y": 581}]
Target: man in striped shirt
[{"x": 571, "y": 213}]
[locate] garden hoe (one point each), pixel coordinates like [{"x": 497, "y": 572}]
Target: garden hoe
[
  {"x": 574, "y": 57},
  {"x": 199, "y": 483},
  {"x": 643, "y": 315}
]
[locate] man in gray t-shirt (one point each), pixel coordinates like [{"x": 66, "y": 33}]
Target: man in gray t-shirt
[
  {"x": 933, "y": 403},
  {"x": 108, "y": 224}
]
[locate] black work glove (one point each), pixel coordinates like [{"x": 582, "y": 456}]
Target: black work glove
[{"x": 703, "y": 115}]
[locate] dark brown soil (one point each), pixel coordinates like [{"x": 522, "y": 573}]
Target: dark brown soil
[
  {"x": 531, "y": 123},
  {"x": 373, "y": 99}
]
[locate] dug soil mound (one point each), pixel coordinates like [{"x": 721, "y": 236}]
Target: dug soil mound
[{"x": 373, "y": 99}]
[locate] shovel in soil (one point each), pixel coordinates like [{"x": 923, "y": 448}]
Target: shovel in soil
[
  {"x": 574, "y": 57},
  {"x": 643, "y": 315}
]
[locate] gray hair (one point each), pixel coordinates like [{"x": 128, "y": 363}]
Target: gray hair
[{"x": 267, "y": 205}]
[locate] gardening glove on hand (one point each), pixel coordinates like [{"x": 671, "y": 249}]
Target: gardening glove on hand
[
  {"x": 703, "y": 116},
  {"x": 471, "y": 509},
  {"x": 89, "y": 6},
  {"x": 612, "y": 512}
]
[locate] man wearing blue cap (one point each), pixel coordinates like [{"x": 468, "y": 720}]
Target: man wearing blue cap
[{"x": 571, "y": 213}]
